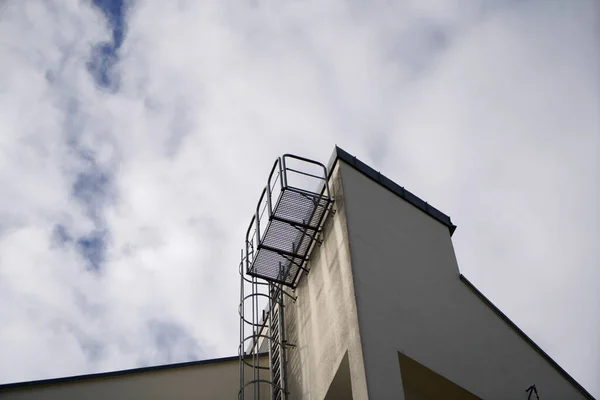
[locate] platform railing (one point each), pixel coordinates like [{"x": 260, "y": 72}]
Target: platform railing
[{"x": 284, "y": 176}]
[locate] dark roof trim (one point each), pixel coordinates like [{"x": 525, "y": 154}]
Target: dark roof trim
[
  {"x": 340, "y": 154},
  {"x": 77, "y": 378},
  {"x": 526, "y": 338}
]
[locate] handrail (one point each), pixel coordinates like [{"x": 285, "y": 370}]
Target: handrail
[
  {"x": 305, "y": 173},
  {"x": 287, "y": 155},
  {"x": 262, "y": 195},
  {"x": 269, "y": 188},
  {"x": 248, "y": 261}
]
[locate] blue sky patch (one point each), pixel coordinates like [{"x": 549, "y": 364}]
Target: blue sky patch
[
  {"x": 104, "y": 55},
  {"x": 92, "y": 247}
]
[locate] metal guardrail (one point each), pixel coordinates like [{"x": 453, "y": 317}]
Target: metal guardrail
[{"x": 287, "y": 219}]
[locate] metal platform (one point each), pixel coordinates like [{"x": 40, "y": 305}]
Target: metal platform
[{"x": 292, "y": 218}]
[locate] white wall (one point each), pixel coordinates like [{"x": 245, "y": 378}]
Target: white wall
[
  {"x": 323, "y": 322},
  {"x": 219, "y": 380},
  {"x": 410, "y": 299}
]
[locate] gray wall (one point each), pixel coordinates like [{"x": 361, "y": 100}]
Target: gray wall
[
  {"x": 323, "y": 323},
  {"x": 410, "y": 299},
  {"x": 218, "y": 380}
]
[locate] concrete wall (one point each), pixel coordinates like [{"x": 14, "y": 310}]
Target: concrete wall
[
  {"x": 219, "y": 380},
  {"x": 323, "y": 323},
  {"x": 410, "y": 299}
]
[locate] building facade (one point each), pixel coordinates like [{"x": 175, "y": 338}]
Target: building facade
[{"x": 379, "y": 310}]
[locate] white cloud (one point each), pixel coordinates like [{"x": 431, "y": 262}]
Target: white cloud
[{"x": 487, "y": 112}]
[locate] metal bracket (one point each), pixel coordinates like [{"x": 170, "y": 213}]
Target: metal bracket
[
  {"x": 290, "y": 296},
  {"x": 319, "y": 238}
]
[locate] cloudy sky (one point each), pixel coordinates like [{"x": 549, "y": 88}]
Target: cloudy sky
[{"x": 135, "y": 138}]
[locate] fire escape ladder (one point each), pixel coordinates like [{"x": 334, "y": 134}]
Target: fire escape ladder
[
  {"x": 277, "y": 350},
  {"x": 290, "y": 215}
]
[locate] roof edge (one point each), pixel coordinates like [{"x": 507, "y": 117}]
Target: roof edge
[
  {"x": 125, "y": 372},
  {"x": 340, "y": 154},
  {"x": 537, "y": 348}
]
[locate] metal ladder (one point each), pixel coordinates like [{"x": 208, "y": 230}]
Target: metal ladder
[{"x": 277, "y": 350}]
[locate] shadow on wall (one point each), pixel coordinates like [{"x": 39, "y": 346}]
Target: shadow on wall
[
  {"x": 341, "y": 386},
  {"x": 421, "y": 383}
]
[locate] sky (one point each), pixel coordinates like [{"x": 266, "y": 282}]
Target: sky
[{"x": 136, "y": 136}]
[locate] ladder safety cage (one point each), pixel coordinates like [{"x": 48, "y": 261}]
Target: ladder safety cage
[
  {"x": 288, "y": 218},
  {"x": 254, "y": 331},
  {"x": 261, "y": 333}
]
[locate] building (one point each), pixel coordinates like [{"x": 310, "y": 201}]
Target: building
[{"x": 363, "y": 299}]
